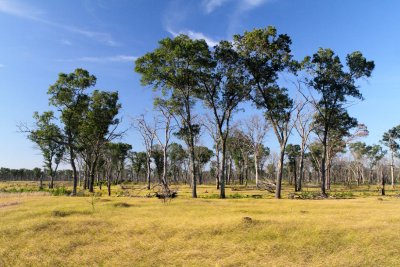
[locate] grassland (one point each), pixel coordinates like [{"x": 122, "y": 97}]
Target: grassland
[{"x": 38, "y": 229}]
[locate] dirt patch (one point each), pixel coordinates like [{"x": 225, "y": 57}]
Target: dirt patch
[{"x": 122, "y": 205}]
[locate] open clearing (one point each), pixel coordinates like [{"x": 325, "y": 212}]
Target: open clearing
[{"x": 40, "y": 230}]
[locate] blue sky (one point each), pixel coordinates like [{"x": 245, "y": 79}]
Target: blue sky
[{"x": 42, "y": 38}]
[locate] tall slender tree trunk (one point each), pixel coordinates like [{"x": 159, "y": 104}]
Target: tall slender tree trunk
[
  {"x": 256, "y": 167},
  {"x": 280, "y": 173},
  {"x": 193, "y": 169},
  {"x": 223, "y": 168},
  {"x": 323, "y": 163},
  {"x": 392, "y": 168},
  {"x": 217, "y": 178},
  {"x": 165, "y": 167},
  {"x": 295, "y": 176},
  {"x": 75, "y": 174},
  {"x": 301, "y": 169},
  {"x": 383, "y": 183},
  {"x": 92, "y": 176},
  {"x": 148, "y": 173}
]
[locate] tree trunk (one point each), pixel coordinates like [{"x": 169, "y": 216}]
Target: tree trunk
[
  {"x": 280, "y": 173},
  {"x": 75, "y": 174},
  {"x": 51, "y": 184},
  {"x": 109, "y": 186},
  {"x": 392, "y": 168},
  {"x": 295, "y": 176},
  {"x": 223, "y": 167},
  {"x": 301, "y": 170},
  {"x": 193, "y": 167},
  {"x": 92, "y": 177},
  {"x": 383, "y": 183},
  {"x": 256, "y": 167},
  {"x": 148, "y": 173},
  {"x": 217, "y": 178},
  {"x": 323, "y": 163},
  {"x": 41, "y": 182}
]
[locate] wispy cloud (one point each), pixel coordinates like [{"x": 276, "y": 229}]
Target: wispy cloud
[
  {"x": 211, "y": 5},
  {"x": 66, "y": 42},
  {"x": 16, "y": 8},
  {"x": 118, "y": 58},
  {"x": 194, "y": 35},
  {"x": 242, "y": 5}
]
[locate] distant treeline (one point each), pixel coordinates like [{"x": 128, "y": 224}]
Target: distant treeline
[{"x": 7, "y": 174}]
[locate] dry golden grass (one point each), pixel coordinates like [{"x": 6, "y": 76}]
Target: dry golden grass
[{"x": 122, "y": 231}]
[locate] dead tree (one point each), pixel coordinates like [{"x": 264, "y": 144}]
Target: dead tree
[{"x": 148, "y": 132}]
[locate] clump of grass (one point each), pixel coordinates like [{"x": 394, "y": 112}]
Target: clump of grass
[
  {"x": 65, "y": 213},
  {"x": 237, "y": 196},
  {"x": 342, "y": 195},
  {"x": 60, "y": 213},
  {"x": 210, "y": 196},
  {"x": 247, "y": 220},
  {"x": 305, "y": 195}
]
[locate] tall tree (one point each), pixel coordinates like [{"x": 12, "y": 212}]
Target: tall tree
[
  {"x": 212, "y": 130},
  {"x": 47, "y": 135},
  {"x": 265, "y": 55},
  {"x": 174, "y": 68},
  {"x": 177, "y": 156},
  {"x": 304, "y": 126},
  {"x": 203, "y": 156},
  {"x": 334, "y": 85},
  {"x": 359, "y": 150},
  {"x": 222, "y": 88},
  {"x": 137, "y": 162},
  {"x": 375, "y": 153},
  {"x": 256, "y": 129},
  {"x": 98, "y": 129},
  {"x": 164, "y": 142},
  {"x": 148, "y": 132},
  {"x": 391, "y": 139},
  {"x": 67, "y": 94},
  {"x": 293, "y": 152}
]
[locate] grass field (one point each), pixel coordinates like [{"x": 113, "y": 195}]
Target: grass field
[{"x": 38, "y": 229}]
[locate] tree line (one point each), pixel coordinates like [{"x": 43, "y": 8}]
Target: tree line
[{"x": 307, "y": 97}]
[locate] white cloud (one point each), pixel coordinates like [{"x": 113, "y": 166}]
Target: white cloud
[
  {"x": 246, "y": 5},
  {"x": 18, "y": 9},
  {"x": 211, "y": 5},
  {"x": 194, "y": 35},
  {"x": 118, "y": 58}
]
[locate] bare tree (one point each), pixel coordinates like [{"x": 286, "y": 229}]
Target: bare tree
[
  {"x": 304, "y": 127},
  {"x": 212, "y": 130},
  {"x": 167, "y": 130},
  {"x": 148, "y": 131},
  {"x": 256, "y": 129}
]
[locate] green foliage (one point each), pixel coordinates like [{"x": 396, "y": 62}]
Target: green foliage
[
  {"x": 391, "y": 139},
  {"x": 60, "y": 191},
  {"x": 265, "y": 55}
]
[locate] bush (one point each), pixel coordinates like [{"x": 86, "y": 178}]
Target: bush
[{"x": 60, "y": 191}]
